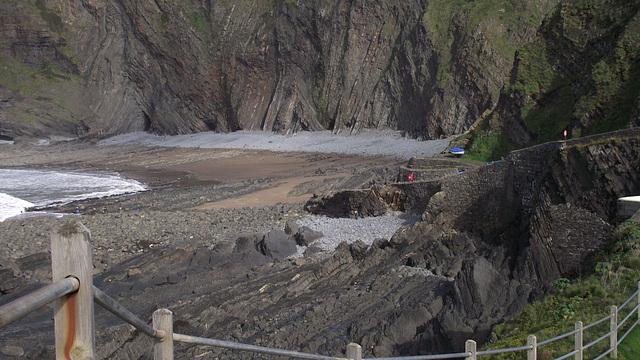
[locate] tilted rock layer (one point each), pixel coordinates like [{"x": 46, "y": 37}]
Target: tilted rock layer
[{"x": 429, "y": 68}]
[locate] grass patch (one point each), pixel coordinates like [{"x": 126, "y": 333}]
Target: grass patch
[
  {"x": 586, "y": 90},
  {"x": 53, "y": 20},
  {"x": 41, "y": 93},
  {"x": 486, "y": 143},
  {"x": 200, "y": 22},
  {"x": 587, "y": 299},
  {"x": 629, "y": 349},
  {"x": 547, "y": 123}
]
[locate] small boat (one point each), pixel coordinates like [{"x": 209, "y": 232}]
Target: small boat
[{"x": 457, "y": 151}]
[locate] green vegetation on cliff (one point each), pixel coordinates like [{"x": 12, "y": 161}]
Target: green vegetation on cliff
[
  {"x": 500, "y": 24},
  {"x": 54, "y": 21},
  {"x": 587, "y": 299},
  {"x": 579, "y": 74}
]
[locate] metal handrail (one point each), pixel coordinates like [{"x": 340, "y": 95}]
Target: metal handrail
[
  {"x": 568, "y": 355},
  {"x": 604, "y": 354},
  {"x": 33, "y": 301},
  {"x": 502, "y": 351},
  {"x": 597, "y": 322},
  {"x": 77, "y": 323},
  {"x": 633, "y": 312},
  {"x": 628, "y": 300},
  {"x": 26, "y": 304},
  {"x": 426, "y": 357},
  {"x": 122, "y": 312},
  {"x": 238, "y": 346},
  {"x": 628, "y": 331},
  {"x": 559, "y": 337},
  {"x": 597, "y": 340},
  {"x": 252, "y": 348},
  {"x": 119, "y": 310}
]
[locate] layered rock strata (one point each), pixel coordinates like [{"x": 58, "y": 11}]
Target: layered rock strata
[{"x": 428, "y": 68}]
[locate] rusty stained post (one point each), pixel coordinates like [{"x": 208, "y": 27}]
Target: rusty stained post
[{"x": 73, "y": 314}]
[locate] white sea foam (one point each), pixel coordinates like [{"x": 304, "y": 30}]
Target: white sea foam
[
  {"x": 11, "y": 206},
  {"x": 22, "y": 188}
]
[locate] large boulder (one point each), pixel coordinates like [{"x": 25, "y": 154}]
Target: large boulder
[
  {"x": 306, "y": 235},
  {"x": 277, "y": 244},
  {"x": 348, "y": 203}
]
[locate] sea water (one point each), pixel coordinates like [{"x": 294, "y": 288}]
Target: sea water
[{"x": 21, "y": 189}]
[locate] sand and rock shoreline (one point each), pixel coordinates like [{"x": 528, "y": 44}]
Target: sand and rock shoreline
[
  {"x": 197, "y": 196},
  {"x": 429, "y": 288}
]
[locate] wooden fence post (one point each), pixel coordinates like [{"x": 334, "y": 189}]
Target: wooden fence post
[
  {"x": 163, "y": 320},
  {"x": 614, "y": 332},
  {"x": 73, "y": 314},
  {"x": 354, "y": 352},
  {"x": 579, "y": 341},
  {"x": 470, "y": 346},
  {"x": 533, "y": 342}
]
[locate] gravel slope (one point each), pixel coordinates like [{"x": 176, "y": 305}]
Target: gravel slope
[{"x": 368, "y": 143}]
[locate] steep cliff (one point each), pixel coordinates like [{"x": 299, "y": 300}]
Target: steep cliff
[
  {"x": 578, "y": 74},
  {"x": 429, "y": 68}
]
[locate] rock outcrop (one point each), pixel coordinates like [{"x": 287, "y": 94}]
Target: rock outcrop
[{"x": 428, "y": 68}]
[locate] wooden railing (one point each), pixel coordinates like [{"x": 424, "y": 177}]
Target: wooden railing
[{"x": 73, "y": 295}]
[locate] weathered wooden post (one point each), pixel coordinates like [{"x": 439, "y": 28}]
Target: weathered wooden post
[
  {"x": 614, "y": 332},
  {"x": 354, "y": 352},
  {"x": 532, "y": 341},
  {"x": 470, "y": 346},
  {"x": 578, "y": 338},
  {"x": 163, "y": 321},
  {"x": 73, "y": 314}
]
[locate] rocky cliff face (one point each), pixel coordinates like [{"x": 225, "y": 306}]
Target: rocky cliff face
[
  {"x": 577, "y": 75},
  {"x": 427, "y": 68}
]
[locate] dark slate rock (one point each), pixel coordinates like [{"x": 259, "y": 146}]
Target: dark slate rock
[
  {"x": 305, "y": 236},
  {"x": 13, "y": 351},
  {"x": 277, "y": 244},
  {"x": 291, "y": 227},
  {"x": 34, "y": 262},
  {"x": 246, "y": 243}
]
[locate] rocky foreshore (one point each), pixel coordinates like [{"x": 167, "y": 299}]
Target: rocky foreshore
[
  {"x": 165, "y": 217},
  {"x": 486, "y": 245}
]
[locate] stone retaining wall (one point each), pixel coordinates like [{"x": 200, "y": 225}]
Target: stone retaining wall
[
  {"x": 425, "y": 174},
  {"x": 628, "y": 207},
  {"x": 552, "y": 199}
]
